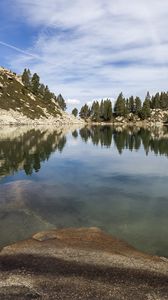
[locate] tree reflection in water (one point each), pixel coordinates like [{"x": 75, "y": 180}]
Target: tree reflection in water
[
  {"x": 27, "y": 150},
  {"x": 152, "y": 140}
]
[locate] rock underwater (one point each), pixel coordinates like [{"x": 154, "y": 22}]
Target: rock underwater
[{"x": 83, "y": 263}]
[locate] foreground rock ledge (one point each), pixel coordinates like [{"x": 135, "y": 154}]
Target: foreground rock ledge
[{"x": 82, "y": 263}]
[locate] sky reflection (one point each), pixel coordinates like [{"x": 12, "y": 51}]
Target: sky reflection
[{"x": 98, "y": 177}]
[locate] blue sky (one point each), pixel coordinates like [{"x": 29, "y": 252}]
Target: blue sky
[{"x": 88, "y": 49}]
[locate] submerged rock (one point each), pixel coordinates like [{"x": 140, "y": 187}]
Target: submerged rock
[{"x": 83, "y": 263}]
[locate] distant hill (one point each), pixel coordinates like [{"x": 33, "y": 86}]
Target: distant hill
[{"x": 19, "y": 105}]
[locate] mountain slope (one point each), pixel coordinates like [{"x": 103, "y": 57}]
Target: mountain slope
[{"x": 18, "y": 105}]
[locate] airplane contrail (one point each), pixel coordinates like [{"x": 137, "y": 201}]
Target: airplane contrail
[{"x": 18, "y": 49}]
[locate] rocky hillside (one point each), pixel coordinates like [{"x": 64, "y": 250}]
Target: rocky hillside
[
  {"x": 158, "y": 117},
  {"x": 18, "y": 105}
]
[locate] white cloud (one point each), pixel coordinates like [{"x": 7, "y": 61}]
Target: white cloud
[
  {"x": 89, "y": 103},
  {"x": 96, "y": 48},
  {"x": 72, "y": 101}
]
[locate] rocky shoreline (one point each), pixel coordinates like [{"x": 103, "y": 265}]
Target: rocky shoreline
[
  {"x": 83, "y": 263},
  {"x": 158, "y": 118},
  {"x": 15, "y": 118}
]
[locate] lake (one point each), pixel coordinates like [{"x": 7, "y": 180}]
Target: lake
[{"x": 112, "y": 178}]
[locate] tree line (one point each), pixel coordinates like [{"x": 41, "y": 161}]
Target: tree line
[
  {"x": 124, "y": 107},
  {"x": 33, "y": 84},
  {"x": 98, "y": 111}
]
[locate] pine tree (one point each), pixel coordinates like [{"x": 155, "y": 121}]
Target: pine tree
[
  {"x": 101, "y": 111},
  {"x": 42, "y": 89},
  {"x": 75, "y": 112},
  {"x": 145, "y": 112},
  {"x": 131, "y": 104},
  {"x": 164, "y": 101},
  {"x": 35, "y": 84},
  {"x": 107, "y": 116},
  {"x": 138, "y": 106},
  {"x": 26, "y": 78},
  {"x": 148, "y": 99},
  {"x": 85, "y": 112},
  {"x": 127, "y": 107},
  {"x": 119, "y": 107},
  {"x": 95, "y": 111},
  {"x": 61, "y": 102},
  {"x": 155, "y": 101},
  {"x": 47, "y": 94}
]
